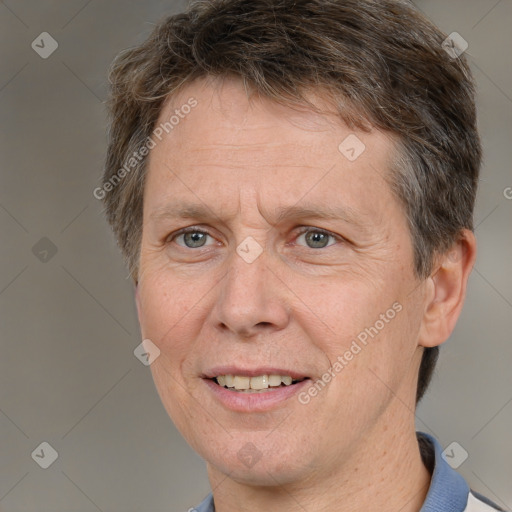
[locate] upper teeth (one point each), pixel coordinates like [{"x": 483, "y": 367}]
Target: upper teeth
[{"x": 259, "y": 382}]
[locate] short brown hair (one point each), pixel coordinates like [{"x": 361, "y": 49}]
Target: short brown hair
[{"x": 381, "y": 62}]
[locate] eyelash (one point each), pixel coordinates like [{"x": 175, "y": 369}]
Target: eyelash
[{"x": 305, "y": 229}]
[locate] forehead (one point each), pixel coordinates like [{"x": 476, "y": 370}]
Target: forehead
[
  {"x": 225, "y": 107},
  {"x": 229, "y": 144}
]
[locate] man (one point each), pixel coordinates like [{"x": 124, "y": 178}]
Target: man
[{"x": 292, "y": 184}]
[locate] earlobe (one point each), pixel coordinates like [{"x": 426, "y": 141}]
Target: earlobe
[{"x": 448, "y": 285}]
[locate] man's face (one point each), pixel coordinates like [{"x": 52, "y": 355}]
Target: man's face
[{"x": 275, "y": 288}]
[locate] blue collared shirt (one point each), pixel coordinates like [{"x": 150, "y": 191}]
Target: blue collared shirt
[{"x": 448, "y": 491}]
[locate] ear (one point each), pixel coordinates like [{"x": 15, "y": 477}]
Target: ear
[{"x": 446, "y": 291}]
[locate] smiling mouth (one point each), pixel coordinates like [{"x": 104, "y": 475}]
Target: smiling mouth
[{"x": 258, "y": 384}]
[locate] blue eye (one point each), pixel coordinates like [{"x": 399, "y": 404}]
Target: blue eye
[
  {"x": 193, "y": 238},
  {"x": 318, "y": 238}
]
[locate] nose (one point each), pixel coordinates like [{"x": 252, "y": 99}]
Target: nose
[{"x": 251, "y": 298}]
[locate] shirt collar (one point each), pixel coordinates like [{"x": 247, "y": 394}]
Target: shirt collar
[{"x": 448, "y": 491}]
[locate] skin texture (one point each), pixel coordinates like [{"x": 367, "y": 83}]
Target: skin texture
[{"x": 297, "y": 306}]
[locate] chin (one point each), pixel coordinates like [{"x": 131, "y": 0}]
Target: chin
[
  {"x": 255, "y": 458},
  {"x": 265, "y": 473}
]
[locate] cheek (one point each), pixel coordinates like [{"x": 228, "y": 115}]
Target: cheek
[
  {"x": 164, "y": 318},
  {"x": 387, "y": 356},
  {"x": 340, "y": 310},
  {"x": 164, "y": 302},
  {"x": 368, "y": 334}
]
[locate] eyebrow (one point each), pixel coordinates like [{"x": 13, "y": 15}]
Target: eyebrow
[{"x": 304, "y": 211}]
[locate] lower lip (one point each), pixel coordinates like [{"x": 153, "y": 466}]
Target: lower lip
[{"x": 254, "y": 402}]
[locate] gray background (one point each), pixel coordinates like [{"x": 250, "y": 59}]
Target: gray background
[{"x": 68, "y": 375}]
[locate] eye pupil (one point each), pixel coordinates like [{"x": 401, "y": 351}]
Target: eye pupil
[
  {"x": 195, "y": 237},
  {"x": 316, "y": 237}
]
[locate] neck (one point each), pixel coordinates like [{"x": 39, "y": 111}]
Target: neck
[{"x": 384, "y": 472}]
